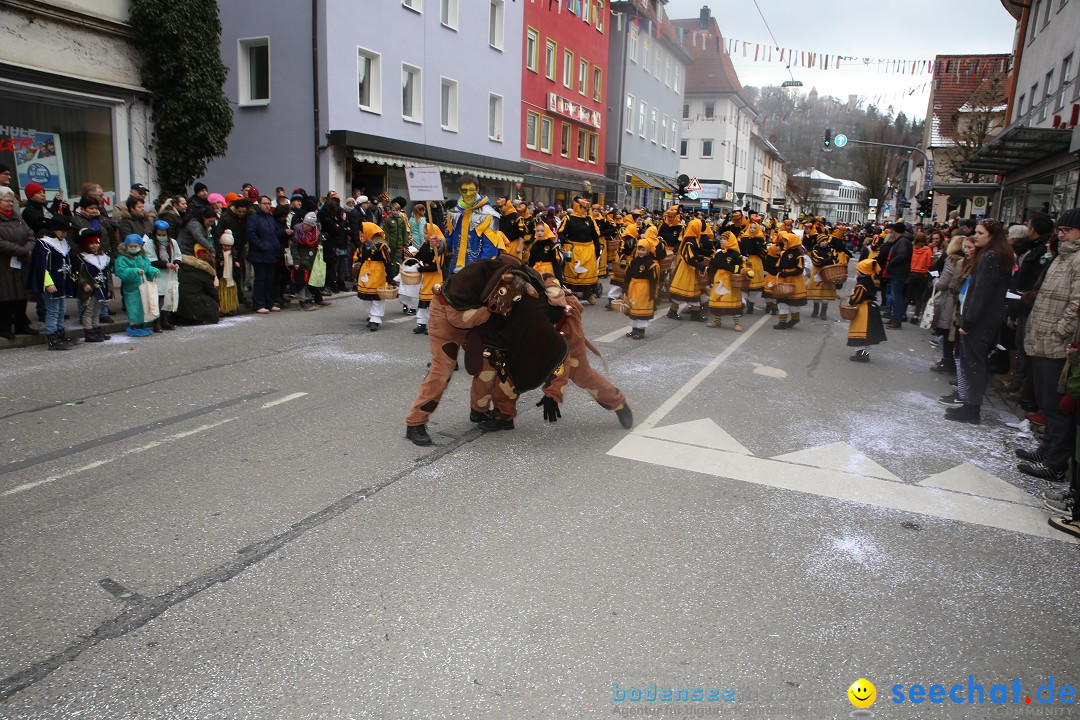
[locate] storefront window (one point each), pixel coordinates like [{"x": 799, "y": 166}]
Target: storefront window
[
  {"x": 59, "y": 144},
  {"x": 1063, "y": 196}
]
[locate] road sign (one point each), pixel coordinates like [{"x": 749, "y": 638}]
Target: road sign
[
  {"x": 705, "y": 204},
  {"x": 873, "y": 202},
  {"x": 840, "y": 140},
  {"x": 694, "y": 185},
  {"x": 887, "y": 208},
  {"x": 692, "y": 195},
  {"x": 872, "y": 215}
]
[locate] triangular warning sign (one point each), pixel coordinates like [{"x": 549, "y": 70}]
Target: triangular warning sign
[{"x": 694, "y": 185}]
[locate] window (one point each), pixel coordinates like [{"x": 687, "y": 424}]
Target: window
[
  {"x": 582, "y": 76},
  {"x": 594, "y": 143},
  {"x": 1046, "y": 15},
  {"x": 448, "y": 13},
  {"x": 574, "y": 6},
  {"x": 678, "y": 79},
  {"x": 448, "y": 104},
  {"x": 629, "y": 114},
  {"x": 645, "y": 54},
  {"x": 564, "y": 140},
  {"x": 667, "y": 71},
  {"x": 550, "y": 58},
  {"x": 656, "y": 63},
  {"x": 683, "y": 149},
  {"x": 411, "y": 93},
  {"x": 1034, "y": 97},
  {"x": 1047, "y": 83},
  {"x": 675, "y": 135},
  {"x": 632, "y": 51},
  {"x": 655, "y": 125},
  {"x": 686, "y": 111},
  {"x": 706, "y": 148},
  {"x": 597, "y": 84},
  {"x": 547, "y": 127},
  {"x": 664, "y": 133},
  {"x": 496, "y": 27},
  {"x": 568, "y": 69},
  {"x": 416, "y": 5},
  {"x": 254, "y": 71},
  {"x": 532, "y": 131},
  {"x": 641, "y": 118},
  {"x": 586, "y": 10},
  {"x": 532, "y": 49},
  {"x": 600, "y": 15},
  {"x": 582, "y": 145},
  {"x": 369, "y": 80},
  {"x": 1033, "y": 18},
  {"x": 1066, "y": 78},
  {"x": 495, "y": 117},
  {"x": 710, "y": 110}
]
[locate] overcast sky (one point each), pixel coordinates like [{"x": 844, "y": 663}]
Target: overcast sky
[{"x": 910, "y": 30}]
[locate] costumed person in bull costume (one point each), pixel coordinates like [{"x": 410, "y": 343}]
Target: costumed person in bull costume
[
  {"x": 580, "y": 236},
  {"x": 867, "y": 328},
  {"x": 472, "y": 227}
]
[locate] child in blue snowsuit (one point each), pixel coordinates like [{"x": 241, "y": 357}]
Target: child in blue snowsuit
[{"x": 133, "y": 268}]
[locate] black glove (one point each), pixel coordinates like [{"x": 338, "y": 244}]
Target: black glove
[{"x": 551, "y": 409}]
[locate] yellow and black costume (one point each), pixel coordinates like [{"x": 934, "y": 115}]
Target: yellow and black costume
[
  {"x": 867, "y": 328},
  {"x": 642, "y": 284},
  {"x": 581, "y": 238},
  {"x": 725, "y": 299},
  {"x": 686, "y": 285},
  {"x": 819, "y": 290},
  {"x": 790, "y": 270}
]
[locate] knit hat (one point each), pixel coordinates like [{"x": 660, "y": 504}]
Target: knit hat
[
  {"x": 133, "y": 239},
  {"x": 227, "y": 239},
  {"x": 898, "y": 227},
  {"x": 215, "y": 197},
  {"x": 89, "y": 234},
  {"x": 161, "y": 225},
  {"x": 199, "y": 187},
  {"x": 362, "y": 199},
  {"x": 231, "y": 198},
  {"x": 1069, "y": 218},
  {"x": 253, "y": 194},
  {"x": 33, "y": 189},
  {"x": 311, "y": 219}
]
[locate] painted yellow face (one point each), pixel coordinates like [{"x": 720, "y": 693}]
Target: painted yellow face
[
  {"x": 469, "y": 191},
  {"x": 862, "y": 693}
]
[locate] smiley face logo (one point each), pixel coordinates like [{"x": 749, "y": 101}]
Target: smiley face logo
[{"x": 862, "y": 693}]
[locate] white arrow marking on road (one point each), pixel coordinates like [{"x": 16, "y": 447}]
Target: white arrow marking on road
[
  {"x": 285, "y": 399},
  {"x": 976, "y": 481},
  {"x": 917, "y": 499},
  {"x": 114, "y": 458},
  {"x": 839, "y": 456},
  {"x": 703, "y": 433}
]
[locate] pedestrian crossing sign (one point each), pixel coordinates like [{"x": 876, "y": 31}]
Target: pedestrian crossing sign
[{"x": 694, "y": 185}]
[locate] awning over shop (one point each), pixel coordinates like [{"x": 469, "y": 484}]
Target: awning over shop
[
  {"x": 640, "y": 183},
  {"x": 1016, "y": 147},
  {"x": 400, "y": 161},
  {"x": 545, "y": 175},
  {"x": 966, "y": 190}
]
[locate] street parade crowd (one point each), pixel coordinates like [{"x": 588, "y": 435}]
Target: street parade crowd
[{"x": 507, "y": 282}]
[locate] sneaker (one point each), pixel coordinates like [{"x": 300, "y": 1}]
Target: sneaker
[
  {"x": 1058, "y": 506},
  {"x": 1031, "y": 455},
  {"x": 308, "y": 306},
  {"x": 373, "y": 326},
  {"x": 1058, "y": 495},
  {"x": 1036, "y": 418},
  {"x": 1042, "y": 472},
  {"x": 951, "y": 400},
  {"x": 934, "y": 342}
]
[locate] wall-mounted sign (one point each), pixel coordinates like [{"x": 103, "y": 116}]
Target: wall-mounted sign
[{"x": 573, "y": 110}]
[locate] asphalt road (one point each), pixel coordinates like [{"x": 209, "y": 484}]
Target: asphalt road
[{"x": 226, "y": 522}]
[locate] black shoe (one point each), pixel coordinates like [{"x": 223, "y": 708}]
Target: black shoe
[
  {"x": 57, "y": 342},
  {"x": 373, "y": 326},
  {"x": 1031, "y": 455},
  {"x": 27, "y": 331},
  {"x": 698, "y": 316},
  {"x": 965, "y": 413},
  {"x": 476, "y": 416},
  {"x": 1041, "y": 471},
  {"x": 952, "y": 400},
  {"x": 940, "y": 367},
  {"x": 608, "y": 306},
  {"x": 860, "y": 357},
  {"x": 824, "y": 312},
  {"x": 817, "y": 309},
  {"x": 493, "y": 424},
  {"x": 893, "y": 325},
  {"x": 418, "y": 434},
  {"x": 673, "y": 314},
  {"x": 626, "y": 418},
  {"x": 749, "y": 308},
  {"x": 781, "y": 326},
  {"x": 793, "y": 321},
  {"x": 420, "y": 330}
]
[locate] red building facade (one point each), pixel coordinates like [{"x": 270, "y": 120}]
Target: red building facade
[{"x": 563, "y": 93}]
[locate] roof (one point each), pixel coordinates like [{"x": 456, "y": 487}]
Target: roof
[
  {"x": 1015, "y": 147},
  {"x": 958, "y": 80},
  {"x": 818, "y": 176},
  {"x": 712, "y": 72}
]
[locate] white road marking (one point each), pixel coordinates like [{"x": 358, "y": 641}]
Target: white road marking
[
  {"x": 114, "y": 458},
  {"x": 767, "y": 371},
  {"x": 397, "y": 320},
  {"x": 668, "y": 405},
  {"x": 918, "y": 499},
  {"x": 285, "y": 399},
  {"x": 838, "y": 456},
  {"x": 976, "y": 481},
  {"x": 612, "y": 336},
  {"x": 704, "y": 433}
]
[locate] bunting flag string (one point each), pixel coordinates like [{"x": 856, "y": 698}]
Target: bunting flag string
[{"x": 961, "y": 67}]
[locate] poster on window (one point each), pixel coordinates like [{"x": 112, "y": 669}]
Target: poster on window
[{"x": 39, "y": 159}]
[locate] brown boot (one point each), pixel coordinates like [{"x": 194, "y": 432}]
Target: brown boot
[
  {"x": 738, "y": 324},
  {"x": 714, "y": 323}
]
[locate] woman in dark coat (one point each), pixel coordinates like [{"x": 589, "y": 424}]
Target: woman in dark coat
[
  {"x": 982, "y": 309},
  {"x": 16, "y": 247}
]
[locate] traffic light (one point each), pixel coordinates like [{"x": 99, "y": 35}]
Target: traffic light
[
  {"x": 925, "y": 200},
  {"x": 827, "y": 144},
  {"x": 683, "y": 181}
]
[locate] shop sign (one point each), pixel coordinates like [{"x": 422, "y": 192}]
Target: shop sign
[
  {"x": 573, "y": 110},
  {"x": 38, "y": 157}
]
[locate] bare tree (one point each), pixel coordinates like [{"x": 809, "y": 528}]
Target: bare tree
[{"x": 978, "y": 120}]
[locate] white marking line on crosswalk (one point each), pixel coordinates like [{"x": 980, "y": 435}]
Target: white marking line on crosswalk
[
  {"x": 114, "y": 458},
  {"x": 668, "y": 405},
  {"x": 285, "y": 399},
  {"x": 613, "y": 335},
  {"x": 919, "y": 499},
  {"x": 395, "y": 321}
]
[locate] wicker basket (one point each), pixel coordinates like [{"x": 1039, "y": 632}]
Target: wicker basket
[
  {"x": 740, "y": 282},
  {"x": 387, "y": 292},
  {"x": 834, "y": 274},
  {"x": 848, "y": 312},
  {"x": 665, "y": 262},
  {"x": 613, "y": 247},
  {"x": 622, "y": 305},
  {"x": 410, "y": 273},
  {"x": 782, "y": 290}
]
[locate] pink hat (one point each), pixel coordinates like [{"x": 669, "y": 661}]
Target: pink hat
[{"x": 216, "y": 198}]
